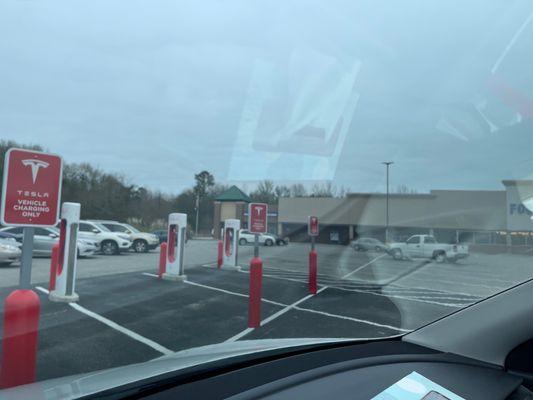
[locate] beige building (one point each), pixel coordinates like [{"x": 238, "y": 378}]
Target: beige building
[{"x": 481, "y": 217}]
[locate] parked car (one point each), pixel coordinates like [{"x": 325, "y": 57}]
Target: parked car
[
  {"x": 161, "y": 235},
  {"x": 9, "y": 252},
  {"x": 142, "y": 242},
  {"x": 366, "y": 243},
  {"x": 108, "y": 242},
  {"x": 45, "y": 238},
  {"x": 426, "y": 246},
  {"x": 281, "y": 241},
  {"x": 8, "y": 238},
  {"x": 245, "y": 237}
]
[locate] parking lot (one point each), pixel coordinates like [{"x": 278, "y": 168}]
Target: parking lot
[{"x": 127, "y": 315}]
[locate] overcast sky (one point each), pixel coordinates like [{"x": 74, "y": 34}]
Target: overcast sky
[{"x": 285, "y": 90}]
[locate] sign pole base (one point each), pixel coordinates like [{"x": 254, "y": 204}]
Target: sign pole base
[
  {"x": 60, "y": 298},
  {"x": 19, "y": 340},
  {"x": 231, "y": 267},
  {"x": 174, "y": 277}
]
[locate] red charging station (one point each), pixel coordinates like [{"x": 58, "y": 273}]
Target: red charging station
[
  {"x": 64, "y": 288},
  {"x": 230, "y": 246},
  {"x": 174, "y": 268}
]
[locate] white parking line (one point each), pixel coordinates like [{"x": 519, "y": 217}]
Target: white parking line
[
  {"x": 233, "y": 293},
  {"x": 287, "y": 307},
  {"x": 273, "y": 316},
  {"x": 362, "y": 321},
  {"x": 362, "y": 266},
  {"x": 150, "y": 343}
]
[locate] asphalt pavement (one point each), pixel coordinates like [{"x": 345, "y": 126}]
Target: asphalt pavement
[{"x": 127, "y": 315}]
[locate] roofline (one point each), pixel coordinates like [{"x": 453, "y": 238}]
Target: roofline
[{"x": 513, "y": 182}]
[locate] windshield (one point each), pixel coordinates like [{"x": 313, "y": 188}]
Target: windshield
[
  {"x": 131, "y": 228},
  {"x": 102, "y": 227},
  {"x": 381, "y": 151}
]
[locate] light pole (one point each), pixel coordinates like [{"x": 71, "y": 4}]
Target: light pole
[
  {"x": 387, "y": 164},
  {"x": 197, "y": 213}
]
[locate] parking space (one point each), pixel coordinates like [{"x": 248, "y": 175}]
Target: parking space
[{"x": 126, "y": 314}]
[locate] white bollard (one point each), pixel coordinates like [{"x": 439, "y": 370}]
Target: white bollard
[
  {"x": 177, "y": 226},
  {"x": 68, "y": 252},
  {"x": 230, "y": 244}
]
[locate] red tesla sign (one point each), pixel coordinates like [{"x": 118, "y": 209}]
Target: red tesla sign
[
  {"x": 31, "y": 189},
  {"x": 257, "y": 217},
  {"x": 312, "y": 226}
]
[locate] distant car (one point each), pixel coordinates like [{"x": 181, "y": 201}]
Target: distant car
[
  {"x": 142, "y": 242},
  {"x": 108, "y": 242},
  {"x": 9, "y": 252},
  {"x": 45, "y": 238},
  {"x": 426, "y": 246},
  {"x": 161, "y": 235},
  {"x": 365, "y": 244},
  {"x": 281, "y": 241},
  {"x": 245, "y": 237}
]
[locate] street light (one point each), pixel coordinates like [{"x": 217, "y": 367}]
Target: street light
[
  {"x": 387, "y": 164},
  {"x": 197, "y": 213}
]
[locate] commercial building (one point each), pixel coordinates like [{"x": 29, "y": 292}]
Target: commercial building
[{"x": 467, "y": 216}]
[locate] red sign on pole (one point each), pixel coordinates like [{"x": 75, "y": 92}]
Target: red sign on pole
[
  {"x": 312, "y": 226},
  {"x": 257, "y": 217},
  {"x": 31, "y": 190}
]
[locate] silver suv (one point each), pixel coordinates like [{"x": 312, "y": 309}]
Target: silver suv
[{"x": 142, "y": 242}]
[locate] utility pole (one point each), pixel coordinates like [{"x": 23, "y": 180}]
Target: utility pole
[
  {"x": 387, "y": 165},
  {"x": 197, "y": 212}
]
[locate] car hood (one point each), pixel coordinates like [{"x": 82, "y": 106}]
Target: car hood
[
  {"x": 144, "y": 235},
  {"x": 76, "y": 386}
]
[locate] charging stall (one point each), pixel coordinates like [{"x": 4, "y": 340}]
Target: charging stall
[
  {"x": 230, "y": 245},
  {"x": 177, "y": 226},
  {"x": 67, "y": 258}
]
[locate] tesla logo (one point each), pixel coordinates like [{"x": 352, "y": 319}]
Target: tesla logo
[
  {"x": 35, "y": 165},
  {"x": 258, "y": 209}
]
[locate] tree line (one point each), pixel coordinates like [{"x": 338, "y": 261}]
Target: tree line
[{"x": 105, "y": 195}]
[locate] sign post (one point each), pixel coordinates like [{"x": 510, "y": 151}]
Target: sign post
[
  {"x": 257, "y": 224},
  {"x": 312, "y": 230},
  {"x": 31, "y": 191}
]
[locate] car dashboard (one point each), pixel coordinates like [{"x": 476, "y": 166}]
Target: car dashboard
[{"x": 353, "y": 371}]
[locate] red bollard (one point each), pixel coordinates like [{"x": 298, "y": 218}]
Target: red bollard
[
  {"x": 19, "y": 343},
  {"x": 162, "y": 259},
  {"x": 254, "y": 304},
  {"x": 312, "y": 271},
  {"x": 220, "y": 250},
  {"x": 53, "y": 267}
]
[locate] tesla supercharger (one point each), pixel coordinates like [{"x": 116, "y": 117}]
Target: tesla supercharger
[
  {"x": 177, "y": 225},
  {"x": 66, "y": 265},
  {"x": 230, "y": 244}
]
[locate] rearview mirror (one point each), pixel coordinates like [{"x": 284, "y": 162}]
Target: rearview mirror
[
  {"x": 96, "y": 230},
  {"x": 53, "y": 235}
]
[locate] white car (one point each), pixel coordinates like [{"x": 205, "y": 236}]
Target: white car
[
  {"x": 45, "y": 238},
  {"x": 245, "y": 237},
  {"x": 142, "y": 241},
  {"x": 108, "y": 242},
  {"x": 9, "y": 252}
]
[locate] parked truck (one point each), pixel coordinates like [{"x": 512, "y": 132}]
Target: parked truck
[{"x": 426, "y": 246}]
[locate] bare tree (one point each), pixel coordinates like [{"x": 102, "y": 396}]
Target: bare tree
[
  {"x": 265, "y": 192},
  {"x": 298, "y": 190}
]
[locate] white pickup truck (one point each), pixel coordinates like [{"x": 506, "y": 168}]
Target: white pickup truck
[{"x": 425, "y": 246}]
